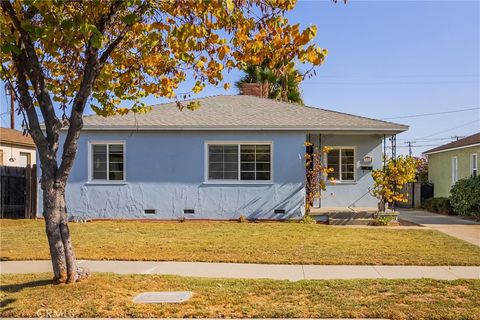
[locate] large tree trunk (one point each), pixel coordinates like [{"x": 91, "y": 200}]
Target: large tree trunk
[{"x": 56, "y": 224}]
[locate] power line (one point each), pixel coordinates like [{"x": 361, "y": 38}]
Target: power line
[
  {"x": 432, "y": 114},
  {"x": 365, "y": 83},
  {"x": 428, "y": 139},
  {"x": 416, "y": 146},
  {"x": 447, "y": 130},
  {"x": 377, "y": 76}
]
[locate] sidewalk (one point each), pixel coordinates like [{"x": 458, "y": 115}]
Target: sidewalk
[
  {"x": 256, "y": 271},
  {"x": 459, "y": 228}
]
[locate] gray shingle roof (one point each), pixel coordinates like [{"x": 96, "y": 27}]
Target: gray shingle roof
[{"x": 241, "y": 113}]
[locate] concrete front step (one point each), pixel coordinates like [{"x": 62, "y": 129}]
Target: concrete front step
[{"x": 354, "y": 221}]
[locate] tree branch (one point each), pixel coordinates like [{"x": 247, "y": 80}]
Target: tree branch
[
  {"x": 35, "y": 73},
  {"x": 26, "y": 102},
  {"x": 91, "y": 71}
]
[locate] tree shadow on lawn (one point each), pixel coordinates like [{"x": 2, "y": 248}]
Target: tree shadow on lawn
[
  {"x": 11, "y": 288},
  {"x": 6, "y": 302}
]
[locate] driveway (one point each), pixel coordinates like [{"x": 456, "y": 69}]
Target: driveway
[{"x": 466, "y": 230}]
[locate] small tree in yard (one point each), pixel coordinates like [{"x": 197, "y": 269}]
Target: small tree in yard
[
  {"x": 389, "y": 180},
  {"x": 316, "y": 173},
  {"x": 103, "y": 52},
  {"x": 422, "y": 169}
]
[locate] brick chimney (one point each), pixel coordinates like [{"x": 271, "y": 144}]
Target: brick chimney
[{"x": 254, "y": 89}]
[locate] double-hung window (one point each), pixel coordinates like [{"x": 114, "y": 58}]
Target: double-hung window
[
  {"x": 239, "y": 161},
  {"x": 107, "y": 161},
  {"x": 342, "y": 163},
  {"x": 474, "y": 164}
]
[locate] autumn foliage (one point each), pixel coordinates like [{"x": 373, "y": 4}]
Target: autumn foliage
[
  {"x": 316, "y": 173},
  {"x": 61, "y": 56},
  {"x": 389, "y": 181},
  {"x": 151, "y": 47}
]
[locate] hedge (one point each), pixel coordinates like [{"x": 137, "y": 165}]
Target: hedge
[
  {"x": 465, "y": 197},
  {"x": 438, "y": 205}
]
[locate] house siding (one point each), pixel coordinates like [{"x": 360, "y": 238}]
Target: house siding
[
  {"x": 440, "y": 168},
  {"x": 12, "y": 151},
  {"x": 354, "y": 194},
  {"x": 165, "y": 172}
]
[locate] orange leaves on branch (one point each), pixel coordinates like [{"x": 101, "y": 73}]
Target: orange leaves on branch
[{"x": 160, "y": 44}]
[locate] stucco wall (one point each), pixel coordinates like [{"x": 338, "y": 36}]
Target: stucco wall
[
  {"x": 10, "y": 151},
  {"x": 440, "y": 168},
  {"x": 165, "y": 171},
  {"x": 354, "y": 194}
]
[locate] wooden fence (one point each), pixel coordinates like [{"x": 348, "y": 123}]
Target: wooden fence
[{"x": 18, "y": 192}]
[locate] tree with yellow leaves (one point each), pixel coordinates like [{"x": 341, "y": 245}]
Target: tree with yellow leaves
[
  {"x": 389, "y": 181},
  {"x": 60, "y": 56}
]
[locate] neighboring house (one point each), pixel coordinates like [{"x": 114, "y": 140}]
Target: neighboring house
[
  {"x": 235, "y": 155},
  {"x": 451, "y": 162},
  {"x": 16, "y": 149}
]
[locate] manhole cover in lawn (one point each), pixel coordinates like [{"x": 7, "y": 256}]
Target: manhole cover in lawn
[{"x": 163, "y": 297}]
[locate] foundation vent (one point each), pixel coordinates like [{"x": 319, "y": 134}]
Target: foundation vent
[
  {"x": 150, "y": 211},
  {"x": 189, "y": 211},
  {"x": 279, "y": 211}
]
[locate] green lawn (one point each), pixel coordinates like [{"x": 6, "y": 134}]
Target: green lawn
[
  {"x": 285, "y": 243},
  {"x": 108, "y": 295}
]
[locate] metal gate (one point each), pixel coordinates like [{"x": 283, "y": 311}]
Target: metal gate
[
  {"x": 416, "y": 193},
  {"x": 18, "y": 192}
]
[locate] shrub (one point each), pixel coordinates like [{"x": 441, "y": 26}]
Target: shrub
[
  {"x": 242, "y": 218},
  {"x": 438, "y": 205},
  {"x": 428, "y": 204},
  {"x": 307, "y": 219},
  {"x": 442, "y": 205},
  {"x": 465, "y": 197},
  {"x": 382, "y": 221}
]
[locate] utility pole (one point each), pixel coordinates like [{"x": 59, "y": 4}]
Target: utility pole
[
  {"x": 9, "y": 92},
  {"x": 409, "y": 143}
]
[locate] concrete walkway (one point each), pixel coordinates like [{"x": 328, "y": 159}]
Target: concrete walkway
[
  {"x": 462, "y": 229},
  {"x": 256, "y": 271}
]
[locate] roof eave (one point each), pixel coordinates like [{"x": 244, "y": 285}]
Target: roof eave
[
  {"x": 17, "y": 143},
  {"x": 248, "y": 128},
  {"x": 433, "y": 151}
]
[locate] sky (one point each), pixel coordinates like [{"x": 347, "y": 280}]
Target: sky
[{"x": 391, "y": 59}]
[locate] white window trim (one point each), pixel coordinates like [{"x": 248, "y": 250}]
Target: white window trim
[
  {"x": 473, "y": 164},
  {"x": 90, "y": 164},
  {"x": 454, "y": 169},
  {"x": 340, "y": 163},
  {"x": 238, "y": 181}
]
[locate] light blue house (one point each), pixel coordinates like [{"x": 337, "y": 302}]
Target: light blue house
[{"x": 236, "y": 155}]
